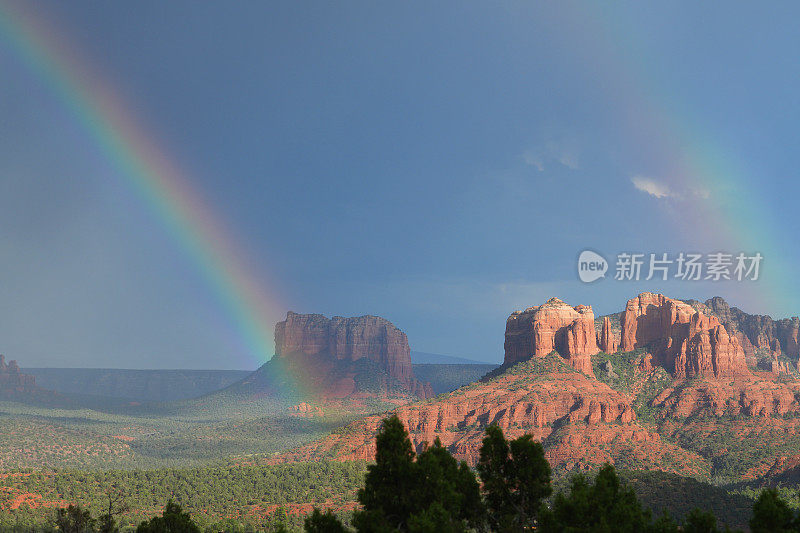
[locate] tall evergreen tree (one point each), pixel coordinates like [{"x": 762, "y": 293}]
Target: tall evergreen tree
[
  {"x": 75, "y": 519},
  {"x": 698, "y": 521},
  {"x": 387, "y": 496},
  {"x": 433, "y": 493},
  {"x": 327, "y": 522},
  {"x": 441, "y": 480},
  {"x": 516, "y": 480},
  {"x": 604, "y": 506},
  {"x": 772, "y": 515},
  {"x": 172, "y": 520}
]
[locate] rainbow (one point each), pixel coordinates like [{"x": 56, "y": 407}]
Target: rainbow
[
  {"x": 150, "y": 172},
  {"x": 727, "y": 210},
  {"x": 735, "y": 216}
]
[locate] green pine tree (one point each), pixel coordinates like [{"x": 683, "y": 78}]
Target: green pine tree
[
  {"x": 433, "y": 493},
  {"x": 604, "y": 506},
  {"x": 327, "y": 522},
  {"x": 74, "y": 519},
  {"x": 772, "y": 515},
  {"x": 172, "y": 520},
  {"x": 516, "y": 480}
]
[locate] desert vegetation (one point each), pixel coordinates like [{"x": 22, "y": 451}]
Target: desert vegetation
[{"x": 510, "y": 489}]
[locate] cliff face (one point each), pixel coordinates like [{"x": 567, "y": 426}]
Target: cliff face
[
  {"x": 756, "y": 332},
  {"x": 606, "y": 340},
  {"x": 555, "y": 325},
  {"x": 12, "y": 380},
  {"x": 580, "y": 420},
  {"x": 314, "y": 341},
  {"x": 350, "y": 339},
  {"x": 546, "y": 388},
  {"x": 684, "y": 341}
]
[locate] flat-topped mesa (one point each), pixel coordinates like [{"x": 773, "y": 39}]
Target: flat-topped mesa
[
  {"x": 350, "y": 339},
  {"x": 555, "y": 325},
  {"x": 684, "y": 341}
]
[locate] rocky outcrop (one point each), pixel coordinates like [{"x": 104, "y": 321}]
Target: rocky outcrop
[
  {"x": 582, "y": 421},
  {"x": 787, "y": 331},
  {"x": 606, "y": 340},
  {"x": 305, "y": 410},
  {"x": 778, "y": 367},
  {"x": 369, "y": 337},
  {"x": 579, "y": 420},
  {"x": 785, "y": 470},
  {"x": 714, "y": 398},
  {"x": 12, "y": 380},
  {"x": 315, "y": 341},
  {"x": 755, "y": 332},
  {"x": 684, "y": 341},
  {"x": 553, "y": 326}
]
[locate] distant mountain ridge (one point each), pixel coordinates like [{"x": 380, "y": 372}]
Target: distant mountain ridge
[
  {"x": 427, "y": 358},
  {"x": 138, "y": 385},
  {"x": 159, "y": 385},
  {"x": 448, "y": 377}
]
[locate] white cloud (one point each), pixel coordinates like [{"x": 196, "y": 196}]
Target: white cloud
[
  {"x": 552, "y": 151},
  {"x": 661, "y": 190},
  {"x": 569, "y": 160},
  {"x": 652, "y": 187},
  {"x": 533, "y": 159}
]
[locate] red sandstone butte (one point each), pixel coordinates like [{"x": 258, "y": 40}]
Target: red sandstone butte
[
  {"x": 684, "y": 341},
  {"x": 315, "y": 336},
  {"x": 555, "y": 325},
  {"x": 582, "y": 421}
]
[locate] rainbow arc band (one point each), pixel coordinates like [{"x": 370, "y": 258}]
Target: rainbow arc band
[{"x": 154, "y": 177}]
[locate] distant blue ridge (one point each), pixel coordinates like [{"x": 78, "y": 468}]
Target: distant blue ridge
[{"x": 425, "y": 358}]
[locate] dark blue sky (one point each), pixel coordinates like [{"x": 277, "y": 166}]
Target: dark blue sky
[{"x": 439, "y": 165}]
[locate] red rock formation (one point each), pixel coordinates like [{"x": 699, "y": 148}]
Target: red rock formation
[
  {"x": 555, "y": 325},
  {"x": 606, "y": 340},
  {"x": 684, "y": 341},
  {"x": 645, "y": 365},
  {"x": 787, "y": 331},
  {"x": 755, "y": 332},
  {"x": 778, "y": 367},
  {"x": 580, "y": 420},
  {"x": 317, "y": 340},
  {"x": 371, "y": 337},
  {"x": 12, "y": 380},
  {"x": 306, "y": 410},
  {"x": 783, "y": 471},
  {"x": 714, "y": 398},
  {"x": 775, "y": 348}
]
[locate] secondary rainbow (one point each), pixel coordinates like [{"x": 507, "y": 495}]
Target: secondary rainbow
[
  {"x": 150, "y": 171},
  {"x": 727, "y": 209}
]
